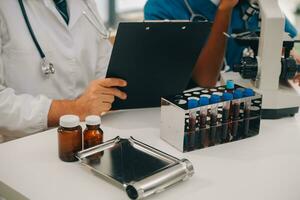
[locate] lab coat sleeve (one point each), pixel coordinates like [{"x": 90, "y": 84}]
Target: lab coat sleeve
[{"x": 22, "y": 114}]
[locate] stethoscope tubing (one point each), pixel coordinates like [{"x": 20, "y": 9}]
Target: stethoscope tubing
[
  {"x": 192, "y": 13},
  {"x": 32, "y": 34}
]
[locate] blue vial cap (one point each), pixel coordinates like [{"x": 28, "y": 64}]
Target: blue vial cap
[
  {"x": 230, "y": 84},
  {"x": 215, "y": 99},
  {"x": 248, "y": 92},
  {"x": 204, "y": 101},
  {"x": 227, "y": 96},
  {"x": 237, "y": 94},
  {"x": 193, "y": 103},
  {"x": 241, "y": 89}
]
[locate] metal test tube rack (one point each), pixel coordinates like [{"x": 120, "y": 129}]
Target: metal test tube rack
[{"x": 176, "y": 127}]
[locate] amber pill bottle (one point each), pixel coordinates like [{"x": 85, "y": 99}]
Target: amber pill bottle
[
  {"x": 69, "y": 138},
  {"x": 93, "y": 134}
]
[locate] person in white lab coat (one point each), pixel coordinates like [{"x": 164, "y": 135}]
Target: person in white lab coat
[{"x": 30, "y": 101}]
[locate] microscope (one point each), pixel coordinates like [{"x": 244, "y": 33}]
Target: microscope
[{"x": 267, "y": 65}]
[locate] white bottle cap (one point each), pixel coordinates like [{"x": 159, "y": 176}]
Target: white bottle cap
[
  {"x": 93, "y": 120},
  {"x": 69, "y": 121}
]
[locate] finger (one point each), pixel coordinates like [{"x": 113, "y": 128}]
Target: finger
[
  {"x": 108, "y": 98},
  {"x": 115, "y": 92},
  {"x": 110, "y": 91},
  {"x": 106, "y": 107},
  {"x": 103, "y": 113},
  {"x": 297, "y": 80},
  {"x": 113, "y": 82}
]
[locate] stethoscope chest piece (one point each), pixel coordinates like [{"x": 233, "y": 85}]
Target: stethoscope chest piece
[{"x": 47, "y": 67}]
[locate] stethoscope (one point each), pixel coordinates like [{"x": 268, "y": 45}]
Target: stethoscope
[
  {"x": 194, "y": 16},
  {"x": 253, "y": 9},
  {"x": 47, "y": 66}
]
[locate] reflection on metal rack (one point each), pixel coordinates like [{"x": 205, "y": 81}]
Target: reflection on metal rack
[{"x": 136, "y": 167}]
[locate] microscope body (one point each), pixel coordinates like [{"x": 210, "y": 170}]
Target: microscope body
[{"x": 268, "y": 71}]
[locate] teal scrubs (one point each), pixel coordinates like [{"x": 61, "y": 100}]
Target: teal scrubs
[{"x": 177, "y": 10}]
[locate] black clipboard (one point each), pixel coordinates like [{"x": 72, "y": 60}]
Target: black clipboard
[{"x": 156, "y": 59}]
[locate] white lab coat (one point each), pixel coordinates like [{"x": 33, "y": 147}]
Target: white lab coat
[{"x": 77, "y": 50}]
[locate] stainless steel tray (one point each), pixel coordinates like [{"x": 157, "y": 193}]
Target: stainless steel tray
[{"x": 135, "y": 167}]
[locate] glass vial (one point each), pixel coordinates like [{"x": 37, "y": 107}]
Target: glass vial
[
  {"x": 69, "y": 138},
  {"x": 93, "y": 134}
]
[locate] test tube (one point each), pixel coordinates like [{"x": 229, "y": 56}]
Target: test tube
[
  {"x": 201, "y": 131},
  {"x": 230, "y": 86},
  {"x": 225, "y": 136},
  {"x": 192, "y": 103},
  {"x": 247, "y": 93},
  {"x": 237, "y": 95},
  {"x": 214, "y": 99}
]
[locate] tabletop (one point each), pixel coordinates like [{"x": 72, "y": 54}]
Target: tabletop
[{"x": 263, "y": 167}]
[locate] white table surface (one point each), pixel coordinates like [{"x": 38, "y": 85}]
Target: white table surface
[{"x": 265, "y": 167}]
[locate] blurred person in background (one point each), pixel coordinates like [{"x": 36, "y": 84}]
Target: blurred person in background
[{"x": 227, "y": 16}]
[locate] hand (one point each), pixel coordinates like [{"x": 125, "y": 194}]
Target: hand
[
  {"x": 296, "y": 56},
  {"x": 228, "y": 4},
  {"x": 99, "y": 96},
  {"x": 297, "y": 79}
]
